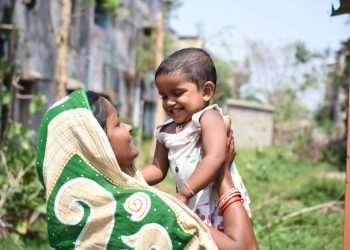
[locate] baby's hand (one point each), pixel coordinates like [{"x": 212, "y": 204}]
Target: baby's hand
[{"x": 182, "y": 198}]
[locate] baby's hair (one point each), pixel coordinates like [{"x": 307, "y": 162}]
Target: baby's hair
[{"x": 196, "y": 64}]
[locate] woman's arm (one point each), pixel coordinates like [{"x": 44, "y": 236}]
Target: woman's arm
[
  {"x": 238, "y": 231},
  {"x": 157, "y": 171}
]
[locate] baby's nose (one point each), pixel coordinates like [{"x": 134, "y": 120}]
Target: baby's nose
[{"x": 171, "y": 101}]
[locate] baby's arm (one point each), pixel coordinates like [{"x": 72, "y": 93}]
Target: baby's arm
[
  {"x": 214, "y": 152},
  {"x": 157, "y": 171}
]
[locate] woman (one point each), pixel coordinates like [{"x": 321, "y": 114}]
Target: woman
[{"x": 96, "y": 199}]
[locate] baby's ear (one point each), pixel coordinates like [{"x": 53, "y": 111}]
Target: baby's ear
[{"x": 208, "y": 90}]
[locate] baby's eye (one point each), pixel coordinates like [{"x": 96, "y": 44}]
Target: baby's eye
[
  {"x": 178, "y": 93},
  {"x": 118, "y": 124}
]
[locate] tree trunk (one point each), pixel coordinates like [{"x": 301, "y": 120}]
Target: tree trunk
[
  {"x": 160, "y": 114},
  {"x": 62, "y": 49}
]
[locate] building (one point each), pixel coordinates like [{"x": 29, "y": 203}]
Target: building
[
  {"x": 252, "y": 123},
  {"x": 101, "y": 52}
]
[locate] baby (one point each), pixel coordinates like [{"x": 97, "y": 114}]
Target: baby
[{"x": 186, "y": 81}]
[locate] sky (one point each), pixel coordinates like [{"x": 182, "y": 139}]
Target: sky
[{"x": 274, "y": 22}]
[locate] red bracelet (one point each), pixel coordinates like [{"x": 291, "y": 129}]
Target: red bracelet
[
  {"x": 227, "y": 198},
  {"x": 230, "y": 202}
]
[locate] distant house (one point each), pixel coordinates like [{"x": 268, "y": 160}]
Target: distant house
[
  {"x": 252, "y": 123},
  {"x": 190, "y": 41}
]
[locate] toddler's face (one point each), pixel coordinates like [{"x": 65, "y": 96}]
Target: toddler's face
[{"x": 181, "y": 98}]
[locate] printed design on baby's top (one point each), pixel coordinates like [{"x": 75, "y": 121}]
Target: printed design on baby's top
[
  {"x": 211, "y": 218},
  {"x": 184, "y": 154},
  {"x": 196, "y": 153}
]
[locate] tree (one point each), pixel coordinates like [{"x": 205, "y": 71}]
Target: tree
[{"x": 281, "y": 76}]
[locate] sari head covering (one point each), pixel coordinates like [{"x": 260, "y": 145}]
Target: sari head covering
[{"x": 91, "y": 203}]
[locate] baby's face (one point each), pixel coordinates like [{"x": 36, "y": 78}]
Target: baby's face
[{"x": 181, "y": 98}]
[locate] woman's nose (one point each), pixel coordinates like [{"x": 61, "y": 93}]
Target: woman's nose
[{"x": 128, "y": 127}]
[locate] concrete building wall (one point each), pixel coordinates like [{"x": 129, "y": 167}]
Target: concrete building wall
[{"x": 252, "y": 123}]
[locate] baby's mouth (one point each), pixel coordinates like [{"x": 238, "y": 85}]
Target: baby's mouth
[{"x": 176, "y": 111}]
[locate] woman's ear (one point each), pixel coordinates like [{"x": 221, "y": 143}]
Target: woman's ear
[{"x": 208, "y": 90}]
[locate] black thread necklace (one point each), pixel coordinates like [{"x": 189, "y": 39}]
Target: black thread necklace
[{"x": 181, "y": 127}]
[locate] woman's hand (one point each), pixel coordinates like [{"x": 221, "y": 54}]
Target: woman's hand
[
  {"x": 224, "y": 180},
  {"x": 230, "y": 142},
  {"x": 182, "y": 198},
  {"x": 238, "y": 230}
]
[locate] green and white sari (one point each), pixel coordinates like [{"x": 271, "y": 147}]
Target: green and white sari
[{"x": 91, "y": 203}]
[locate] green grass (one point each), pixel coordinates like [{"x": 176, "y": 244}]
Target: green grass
[
  {"x": 15, "y": 243},
  {"x": 145, "y": 157},
  {"x": 278, "y": 185}
]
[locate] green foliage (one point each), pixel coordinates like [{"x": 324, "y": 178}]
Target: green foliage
[
  {"x": 22, "y": 194},
  {"x": 280, "y": 185},
  {"x": 303, "y": 55},
  {"x": 85, "y": 4},
  {"x": 169, "y": 45},
  {"x": 290, "y": 108},
  {"x": 15, "y": 243},
  {"x": 4, "y": 68},
  {"x": 5, "y": 96},
  {"x": 330, "y": 110},
  {"x": 146, "y": 154},
  {"x": 145, "y": 55},
  {"x": 110, "y": 5},
  {"x": 337, "y": 79},
  {"x": 335, "y": 154},
  {"x": 106, "y": 5},
  {"x": 282, "y": 76},
  {"x": 224, "y": 82},
  {"x": 37, "y": 103},
  {"x": 22, "y": 203}
]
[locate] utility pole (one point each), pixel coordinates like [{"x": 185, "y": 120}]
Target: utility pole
[{"x": 62, "y": 49}]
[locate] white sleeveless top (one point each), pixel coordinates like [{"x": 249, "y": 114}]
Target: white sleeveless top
[{"x": 185, "y": 152}]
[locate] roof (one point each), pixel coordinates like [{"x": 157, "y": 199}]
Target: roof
[
  {"x": 251, "y": 105},
  {"x": 340, "y": 7}
]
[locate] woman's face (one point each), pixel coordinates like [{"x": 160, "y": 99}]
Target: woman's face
[{"x": 119, "y": 136}]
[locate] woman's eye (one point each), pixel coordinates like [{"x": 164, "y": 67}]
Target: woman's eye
[{"x": 163, "y": 97}]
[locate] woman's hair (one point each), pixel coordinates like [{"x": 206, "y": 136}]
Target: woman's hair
[
  {"x": 196, "y": 64},
  {"x": 98, "y": 107}
]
